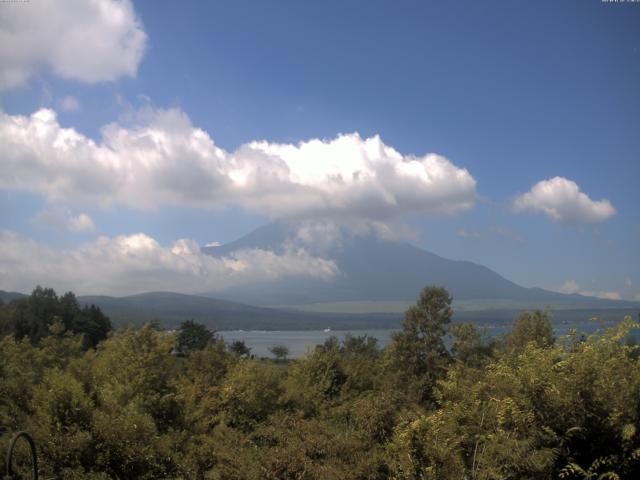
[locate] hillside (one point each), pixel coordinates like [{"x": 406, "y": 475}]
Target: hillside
[
  {"x": 8, "y": 296},
  {"x": 172, "y": 308}
]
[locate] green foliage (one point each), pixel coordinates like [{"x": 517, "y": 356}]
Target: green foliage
[
  {"x": 530, "y": 327},
  {"x": 239, "y": 348},
  {"x": 418, "y": 353},
  {"x": 468, "y": 345},
  {"x": 193, "y": 336},
  {"x": 280, "y": 352},
  {"x": 250, "y": 393},
  {"x": 32, "y": 317},
  {"x": 538, "y": 413},
  {"x": 527, "y": 407}
]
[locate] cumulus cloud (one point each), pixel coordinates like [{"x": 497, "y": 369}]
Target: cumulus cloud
[
  {"x": 562, "y": 201},
  {"x": 325, "y": 236},
  {"x": 60, "y": 219},
  {"x": 137, "y": 263},
  {"x": 571, "y": 286},
  {"x": 161, "y": 159},
  {"x": 87, "y": 40}
]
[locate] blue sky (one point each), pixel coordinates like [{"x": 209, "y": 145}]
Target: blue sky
[{"x": 513, "y": 93}]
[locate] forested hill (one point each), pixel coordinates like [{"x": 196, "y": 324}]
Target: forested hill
[{"x": 172, "y": 308}]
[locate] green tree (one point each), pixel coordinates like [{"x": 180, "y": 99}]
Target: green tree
[
  {"x": 568, "y": 410},
  {"x": 280, "y": 352},
  {"x": 417, "y": 352},
  {"x": 32, "y": 316},
  {"x": 193, "y": 336},
  {"x": 240, "y": 348},
  {"x": 468, "y": 345},
  {"x": 250, "y": 393},
  {"x": 530, "y": 327}
]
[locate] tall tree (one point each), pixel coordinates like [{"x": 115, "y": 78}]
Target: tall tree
[{"x": 418, "y": 350}]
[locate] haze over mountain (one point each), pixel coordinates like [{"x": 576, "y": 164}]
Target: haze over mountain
[{"x": 371, "y": 266}]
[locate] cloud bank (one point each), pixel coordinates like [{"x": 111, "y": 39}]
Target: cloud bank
[
  {"x": 562, "y": 201},
  {"x": 130, "y": 264},
  {"x": 162, "y": 159},
  {"x": 86, "y": 40}
]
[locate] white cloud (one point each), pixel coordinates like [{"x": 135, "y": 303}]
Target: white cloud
[
  {"x": 137, "y": 263},
  {"x": 81, "y": 223},
  {"x": 163, "y": 160},
  {"x": 69, "y": 103},
  {"x": 562, "y": 201},
  {"x": 324, "y": 236},
  {"x": 571, "y": 286},
  {"x": 87, "y": 40},
  {"x": 60, "y": 219},
  {"x": 606, "y": 295}
]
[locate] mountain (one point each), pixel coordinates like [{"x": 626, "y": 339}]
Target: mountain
[
  {"x": 172, "y": 308},
  {"x": 374, "y": 269},
  {"x": 8, "y": 296},
  {"x": 374, "y": 275}
]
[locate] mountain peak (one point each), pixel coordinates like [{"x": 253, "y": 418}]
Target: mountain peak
[{"x": 371, "y": 265}]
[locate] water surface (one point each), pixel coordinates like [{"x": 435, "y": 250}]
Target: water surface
[{"x": 300, "y": 342}]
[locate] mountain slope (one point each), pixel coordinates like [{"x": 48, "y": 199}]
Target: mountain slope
[
  {"x": 375, "y": 269},
  {"x": 8, "y": 296},
  {"x": 172, "y": 308}
]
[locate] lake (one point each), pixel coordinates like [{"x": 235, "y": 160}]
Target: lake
[{"x": 300, "y": 342}]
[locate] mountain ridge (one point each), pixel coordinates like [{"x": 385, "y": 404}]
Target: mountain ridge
[{"x": 374, "y": 269}]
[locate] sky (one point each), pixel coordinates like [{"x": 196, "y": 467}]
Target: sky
[{"x": 506, "y": 133}]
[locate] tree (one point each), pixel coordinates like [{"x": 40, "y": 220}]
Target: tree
[
  {"x": 365, "y": 345},
  {"x": 32, "y": 316},
  {"x": 418, "y": 351},
  {"x": 250, "y": 393},
  {"x": 193, "y": 336},
  {"x": 240, "y": 348},
  {"x": 530, "y": 327},
  {"x": 280, "y": 352},
  {"x": 468, "y": 345}
]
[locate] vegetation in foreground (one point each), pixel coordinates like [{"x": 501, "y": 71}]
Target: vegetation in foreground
[{"x": 143, "y": 403}]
